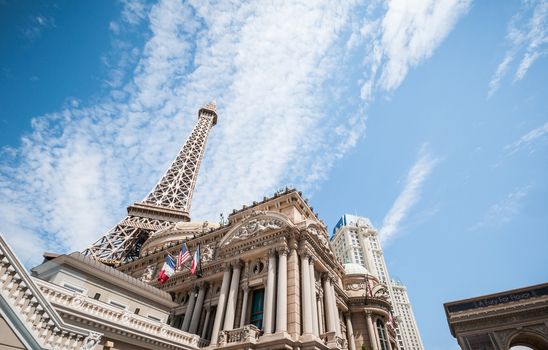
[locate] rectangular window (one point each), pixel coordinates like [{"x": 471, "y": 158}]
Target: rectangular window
[
  {"x": 257, "y": 304},
  {"x": 154, "y": 318},
  {"x": 117, "y": 304},
  {"x": 73, "y": 288}
]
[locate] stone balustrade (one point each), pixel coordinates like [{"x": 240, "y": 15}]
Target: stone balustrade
[
  {"x": 44, "y": 325},
  {"x": 246, "y": 334},
  {"x": 333, "y": 341},
  {"x": 88, "y": 306}
]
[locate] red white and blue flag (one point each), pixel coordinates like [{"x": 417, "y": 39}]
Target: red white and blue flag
[
  {"x": 195, "y": 261},
  {"x": 167, "y": 270},
  {"x": 183, "y": 257}
]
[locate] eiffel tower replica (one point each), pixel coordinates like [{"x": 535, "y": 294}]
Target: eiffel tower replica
[{"x": 168, "y": 202}]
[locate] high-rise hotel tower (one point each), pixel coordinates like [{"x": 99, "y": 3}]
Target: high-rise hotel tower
[{"x": 356, "y": 241}]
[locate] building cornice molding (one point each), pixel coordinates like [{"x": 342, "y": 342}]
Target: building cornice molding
[{"x": 89, "y": 265}]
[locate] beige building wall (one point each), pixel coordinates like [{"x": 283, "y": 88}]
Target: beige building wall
[{"x": 8, "y": 338}]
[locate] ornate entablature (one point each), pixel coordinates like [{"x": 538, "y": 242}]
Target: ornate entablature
[{"x": 501, "y": 320}]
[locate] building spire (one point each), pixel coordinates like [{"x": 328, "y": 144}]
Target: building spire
[{"x": 168, "y": 202}]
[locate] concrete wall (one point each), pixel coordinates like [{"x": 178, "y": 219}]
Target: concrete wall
[{"x": 8, "y": 338}]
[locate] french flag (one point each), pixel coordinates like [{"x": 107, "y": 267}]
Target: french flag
[
  {"x": 195, "y": 261},
  {"x": 167, "y": 270}
]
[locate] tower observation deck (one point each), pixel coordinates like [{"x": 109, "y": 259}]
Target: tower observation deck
[{"x": 168, "y": 202}]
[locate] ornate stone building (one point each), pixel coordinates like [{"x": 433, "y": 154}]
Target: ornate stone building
[
  {"x": 269, "y": 280},
  {"x": 355, "y": 240},
  {"x": 502, "y": 320}
]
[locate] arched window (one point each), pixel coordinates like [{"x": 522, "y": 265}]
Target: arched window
[{"x": 383, "y": 339}]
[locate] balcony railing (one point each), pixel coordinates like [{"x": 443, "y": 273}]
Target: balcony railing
[
  {"x": 85, "y": 305},
  {"x": 246, "y": 334}
]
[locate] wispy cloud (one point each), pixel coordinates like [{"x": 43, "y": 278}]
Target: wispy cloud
[
  {"x": 36, "y": 25},
  {"x": 503, "y": 211},
  {"x": 404, "y": 37},
  {"x": 284, "y": 78},
  {"x": 410, "y": 194},
  {"x": 527, "y": 38},
  {"x": 527, "y": 139}
]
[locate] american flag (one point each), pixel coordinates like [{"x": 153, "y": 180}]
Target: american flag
[{"x": 183, "y": 257}]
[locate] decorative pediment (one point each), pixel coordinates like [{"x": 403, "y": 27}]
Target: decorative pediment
[
  {"x": 320, "y": 234},
  {"x": 256, "y": 224}
]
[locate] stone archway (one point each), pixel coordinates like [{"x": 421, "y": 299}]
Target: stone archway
[{"x": 527, "y": 340}]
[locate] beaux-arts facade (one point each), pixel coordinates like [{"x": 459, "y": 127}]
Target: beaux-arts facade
[{"x": 269, "y": 280}]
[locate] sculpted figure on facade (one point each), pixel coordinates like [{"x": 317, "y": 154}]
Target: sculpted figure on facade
[
  {"x": 254, "y": 227},
  {"x": 208, "y": 253},
  {"x": 148, "y": 275},
  {"x": 91, "y": 341}
]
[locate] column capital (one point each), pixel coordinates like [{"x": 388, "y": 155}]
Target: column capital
[
  {"x": 271, "y": 252},
  {"x": 328, "y": 277},
  {"x": 282, "y": 250},
  {"x": 311, "y": 258},
  {"x": 236, "y": 263},
  {"x": 304, "y": 253},
  {"x": 201, "y": 284},
  {"x": 292, "y": 242},
  {"x": 245, "y": 288}
]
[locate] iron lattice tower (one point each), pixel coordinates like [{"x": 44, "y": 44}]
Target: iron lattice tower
[{"x": 168, "y": 202}]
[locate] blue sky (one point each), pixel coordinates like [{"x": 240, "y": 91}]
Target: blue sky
[{"x": 428, "y": 117}]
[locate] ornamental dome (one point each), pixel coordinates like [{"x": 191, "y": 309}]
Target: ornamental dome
[
  {"x": 355, "y": 269},
  {"x": 174, "y": 234}
]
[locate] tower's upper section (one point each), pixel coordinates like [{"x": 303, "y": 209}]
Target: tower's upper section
[
  {"x": 174, "y": 190},
  {"x": 211, "y": 107}
]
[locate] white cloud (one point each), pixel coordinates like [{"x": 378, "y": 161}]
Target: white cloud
[
  {"x": 504, "y": 211},
  {"x": 527, "y": 38},
  {"x": 405, "y": 36},
  {"x": 410, "y": 194},
  {"x": 527, "y": 139},
  {"x": 411, "y": 32},
  {"x": 284, "y": 78}
]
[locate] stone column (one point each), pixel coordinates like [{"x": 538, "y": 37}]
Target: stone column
[
  {"x": 329, "y": 317},
  {"x": 315, "y": 330},
  {"x": 350, "y": 332},
  {"x": 189, "y": 310},
  {"x": 321, "y": 316},
  {"x": 270, "y": 292},
  {"x": 371, "y": 331},
  {"x": 197, "y": 310},
  {"x": 244, "y": 306},
  {"x": 281, "y": 305},
  {"x": 293, "y": 290},
  {"x": 335, "y": 309},
  {"x": 206, "y": 322},
  {"x": 232, "y": 296},
  {"x": 307, "y": 304},
  {"x": 221, "y": 306}
]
